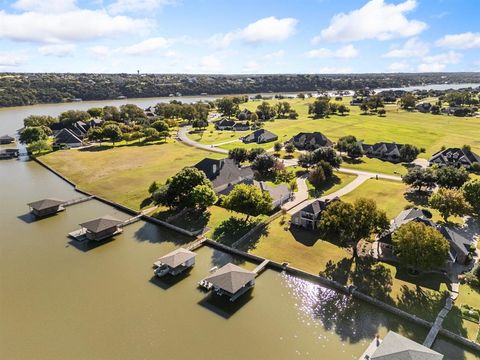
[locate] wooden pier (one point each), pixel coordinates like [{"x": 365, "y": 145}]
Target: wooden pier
[
  {"x": 132, "y": 220},
  {"x": 437, "y": 325},
  {"x": 196, "y": 244},
  {"x": 261, "y": 267},
  {"x": 77, "y": 201}
]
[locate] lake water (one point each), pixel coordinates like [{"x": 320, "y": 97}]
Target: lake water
[{"x": 62, "y": 300}]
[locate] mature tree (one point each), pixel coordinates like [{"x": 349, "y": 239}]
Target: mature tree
[
  {"x": 112, "y": 133},
  {"x": 160, "y": 125},
  {"x": 418, "y": 177},
  {"x": 449, "y": 202},
  {"x": 381, "y": 112},
  {"x": 317, "y": 177},
  {"x": 249, "y": 200},
  {"x": 343, "y": 109},
  {"x": 355, "y": 150},
  {"x": 162, "y": 196},
  {"x": 72, "y": 116},
  {"x": 364, "y": 107},
  {"x": 39, "y": 120},
  {"x": 293, "y": 115},
  {"x": 199, "y": 124},
  {"x": 344, "y": 143},
  {"x": 131, "y": 112},
  {"x": 265, "y": 111},
  {"x": 375, "y": 102},
  {"x": 203, "y": 196},
  {"x": 153, "y": 187},
  {"x": 254, "y": 118},
  {"x": 351, "y": 223},
  {"x": 407, "y": 101},
  {"x": 95, "y": 134},
  {"x": 327, "y": 154},
  {"x": 151, "y": 134},
  {"x": 277, "y": 146},
  {"x": 419, "y": 246},
  {"x": 227, "y": 106},
  {"x": 239, "y": 155},
  {"x": 111, "y": 113},
  {"x": 408, "y": 153},
  {"x": 290, "y": 148},
  {"x": 451, "y": 177},
  {"x": 38, "y": 146},
  {"x": 95, "y": 112},
  {"x": 164, "y": 135},
  {"x": 282, "y": 108},
  {"x": 264, "y": 164},
  {"x": 320, "y": 107},
  {"x": 253, "y": 153},
  {"x": 32, "y": 134},
  {"x": 471, "y": 192},
  {"x": 181, "y": 186}
]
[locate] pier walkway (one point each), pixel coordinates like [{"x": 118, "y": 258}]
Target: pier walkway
[
  {"x": 132, "y": 220},
  {"x": 77, "y": 201},
  {"x": 261, "y": 267},
  {"x": 196, "y": 244},
  {"x": 437, "y": 325}
]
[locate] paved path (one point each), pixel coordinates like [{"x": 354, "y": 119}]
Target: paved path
[
  {"x": 227, "y": 142},
  {"x": 183, "y": 137},
  {"x": 437, "y": 325},
  {"x": 300, "y": 195}
]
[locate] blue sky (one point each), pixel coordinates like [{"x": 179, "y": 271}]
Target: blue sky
[{"x": 247, "y": 36}]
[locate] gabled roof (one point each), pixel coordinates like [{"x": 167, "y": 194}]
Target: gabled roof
[
  {"x": 460, "y": 242},
  {"x": 241, "y": 125},
  {"x": 388, "y": 147},
  {"x": 7, "y": 137},
  {"x": 225, "y": 122},
  {"x": 260, "y": 136},
  {"x": 66, "y": 136},
  {"x": 315, "y": 207},
  {"x": 177, "y": 257},
  {"x": 101, "y": 224},
  {"x": 45, "y": 204},
  {"x": 230, "y": 278},
  {"x": 224, "y": 171},
  {"x": 455, "y": 156},
  {"x": 398, "y": 347},
  {"x": 315, "y": 138}
]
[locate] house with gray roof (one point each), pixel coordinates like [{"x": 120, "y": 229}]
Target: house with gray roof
[
  {"x": 459, "y": 245},
  {"x": 65, "y": 138},
  {"x": 174, "y": 262},
  {"x": 397, "y": 347},
  {"x": 260, "y": 136},
  {"x": 309, "y": 216},
  {"x": 101, "y": 228},
  {"x": 6, "y": 139},
  {"x": 240, "y": 126},
  {"x": 383, "y": 150},
  {"x": 310, "y": 141},
  {"x": 224, "y": 124},
  {"x": 224, "y": 173},
  {"x": 231, "y": 281},
  {"x": 455, "y": 157},
  {"x": 46, "y": 207}
]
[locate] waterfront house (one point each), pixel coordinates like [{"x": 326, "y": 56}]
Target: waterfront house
[
  {"x": 101, "y": 228},
  {"x": 460, "y": 245},
  {"x": 310, "y": 141},
  {"x": 46, "y": 207},
  {"x": 383, "y": 150},
  {"x": 260, "y": 136},
  {"x": 224, "y": 173},
  {"x": 6, "y": 139},
  {"x": 245, "y": 114},
  {"x": 424, "y": 107},
  {"x": 9, "y": 153},
  {"x": 309, "y": 216},
  {"x": 455, "y": 157},
  {"x": 224, "y": 124},
  {"x": 231, "y": 281},
  {"x": 396, "y": 346},
  {"x": 174, "y": 262},
  {"x": 65, "y": 138},
  {"x": 240, "y": 126}
]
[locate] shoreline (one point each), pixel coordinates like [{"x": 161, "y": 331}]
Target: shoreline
[{"x": 274, "y": 265}]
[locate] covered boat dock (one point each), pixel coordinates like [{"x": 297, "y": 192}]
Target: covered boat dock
[
  {"x": 98, "y": 229},
  {"x": 46, "y": 207},
  {"x": 174, "y": 262},
  {"x": 230, "y": 280}
]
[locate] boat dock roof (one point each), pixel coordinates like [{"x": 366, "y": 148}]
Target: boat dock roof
[
  {"x": 45, "y": 204},
  {"x": 230, "y": 278},
  {"x": 101, "y": 224},
  {"x": 177, "y": 257}
]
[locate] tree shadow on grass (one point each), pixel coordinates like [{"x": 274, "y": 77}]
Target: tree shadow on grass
[
  {"x": 232, "y": 229},
  {"x": 352, "y": 161},
  {"x": 190, "y": 219},
  {"x": 430, "y": 281},
  {"x": 422, "y": 303},
  {"x": 326, "y": 185},
  {"x": 146, "y": 202},
  {"x": 418, "y": 198},
  {"x": 303, "y": 236}
]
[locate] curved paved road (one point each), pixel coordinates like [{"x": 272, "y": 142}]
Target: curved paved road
[{"x": 183, "y": 137}]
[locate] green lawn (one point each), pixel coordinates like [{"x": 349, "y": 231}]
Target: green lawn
[
  {"x": 375, "y": 166},
  {"x": 423, "y": 130},
  {"x": 338, "y": 181},
  {"x": 123, "y": 174}
]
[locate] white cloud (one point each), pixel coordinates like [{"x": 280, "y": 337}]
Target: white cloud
[
  {"x": 468, "y": 40},
  {"x": 412, "y": 48},
  {"x": 431, "y": 67},
  {"x": 127, "y": 6},
  {"x": 275, "y": 55},
  {"x": 146, "y": 46},
  {"x": 399, "y": 67},
  {"x": 99, "y": 51},
  {"x": 76, "y": 25},
  {"x": 60, "y": 50},
  {"x": 45, "y": 6},
  {"x": 12, "y": 60},
  {"x": 335, "y": 70},
  {"x": 346, "y": 52},
  {"x": 210, "y": 63},
  {"x": 269, "y": 29},
  {"x": 375, "y": 20},
  {"x": 251, "y": 66}
]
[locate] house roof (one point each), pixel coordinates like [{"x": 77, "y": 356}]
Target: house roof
[
  {"x": 398, "y": 347},
  {"x": 7, "y": 137},
  {"x": 455, "y": 156},
  {"x": 260, "y": 136},
  {"x": 457, "y": 240},
  {"x": 314, "y": 138},
  {"x": 101, "y": 224},
  {"x": 177, "y": 257},
  {"x": 224, "y": 171},
  {"x": 278, "y": 192},
  {"x": 388, "y": 147},
  {"x": 66, "y": 136},
  {"x": 45, "y": 204},
  {"x": 230, "y": 278},
  {"x": 225, "y": 122},
  {"x": 241, "y": 125}
]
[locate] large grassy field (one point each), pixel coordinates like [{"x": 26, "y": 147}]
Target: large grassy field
[
  {"x": 423, "y": 130},
  {"x": 123, "y": 174}
]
